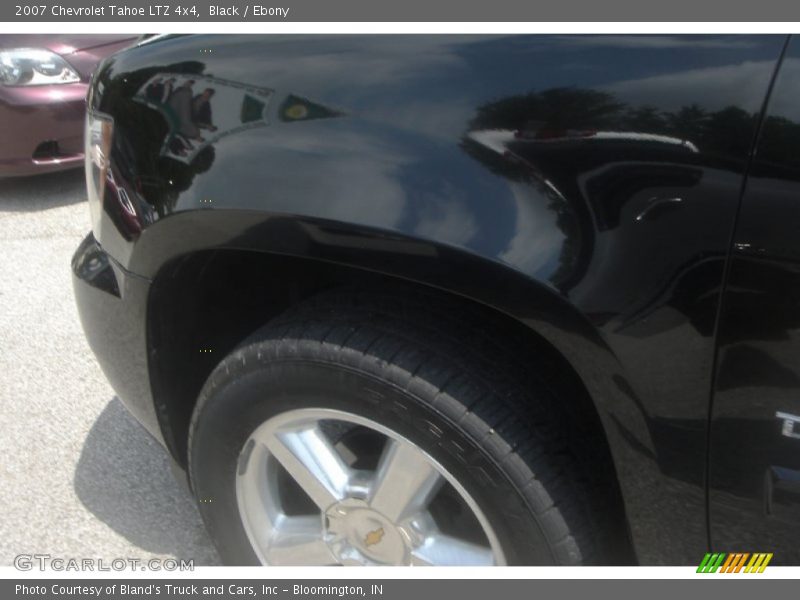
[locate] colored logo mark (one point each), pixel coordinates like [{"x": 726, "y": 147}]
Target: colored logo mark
[{"x": 734, "y": 562}]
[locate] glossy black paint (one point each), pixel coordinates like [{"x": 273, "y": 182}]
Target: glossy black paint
[
  {"x": 754, "y": 468},
  {"x": 112, "y": 308},
  {"x": 587, "y": 186}
]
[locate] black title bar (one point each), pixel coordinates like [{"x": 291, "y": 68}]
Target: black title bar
[{"x": 405, "y": 11}]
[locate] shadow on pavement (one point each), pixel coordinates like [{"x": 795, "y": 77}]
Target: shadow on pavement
[
  {"x": 123, "y": 477},
  {"x": 40, "y": 192}
]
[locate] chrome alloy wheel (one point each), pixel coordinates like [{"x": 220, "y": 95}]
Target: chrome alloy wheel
[{"x": 326, "y": 487}]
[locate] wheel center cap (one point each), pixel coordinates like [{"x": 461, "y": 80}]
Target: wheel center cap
[{"x": 359, "y": 535}]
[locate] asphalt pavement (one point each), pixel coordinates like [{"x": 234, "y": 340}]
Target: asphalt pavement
[{"x": 79, "y": 476}]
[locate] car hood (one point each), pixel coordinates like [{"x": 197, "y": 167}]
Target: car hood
[{"x": 63, "y": 44}]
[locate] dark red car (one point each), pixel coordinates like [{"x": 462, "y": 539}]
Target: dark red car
[{"x": 43, "y": 83}]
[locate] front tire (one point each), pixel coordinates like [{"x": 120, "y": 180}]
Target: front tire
[{"x": 368, "y": 429}]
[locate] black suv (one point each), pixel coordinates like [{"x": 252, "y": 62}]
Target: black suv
[{"x": 472, "y": 300}]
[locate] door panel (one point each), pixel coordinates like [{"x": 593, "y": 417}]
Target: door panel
[{"x": 754, "y": 462}]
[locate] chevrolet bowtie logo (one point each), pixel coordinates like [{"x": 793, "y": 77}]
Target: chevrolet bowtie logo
[{"x": 373, "y": 537}]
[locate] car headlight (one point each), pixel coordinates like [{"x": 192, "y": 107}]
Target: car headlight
[
  {"x": 34, "y": 66},
  {"x": 98, "y": 136}
]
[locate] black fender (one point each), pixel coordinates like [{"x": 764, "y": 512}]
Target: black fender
[{"x": 586, "y": 186}]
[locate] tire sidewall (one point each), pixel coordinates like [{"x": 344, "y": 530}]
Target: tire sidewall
[{"x": 235, "y": 402}]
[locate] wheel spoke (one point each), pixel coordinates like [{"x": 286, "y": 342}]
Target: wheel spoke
[
  {"x": 405, "y": 481},
  {"x": 298, "y": 541},
  {"x": 256, "y": 499},
  {"x": 313, "y": 462},
  {"x": 444, "y": 550}
]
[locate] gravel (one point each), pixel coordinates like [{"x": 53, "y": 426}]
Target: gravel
[{"x": 80, "y": 477}]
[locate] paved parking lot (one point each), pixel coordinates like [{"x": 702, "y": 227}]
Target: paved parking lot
[{"x": 80, "y": 478}]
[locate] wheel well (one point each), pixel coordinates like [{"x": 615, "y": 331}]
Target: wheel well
[{"x": 203, "y": 304}]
